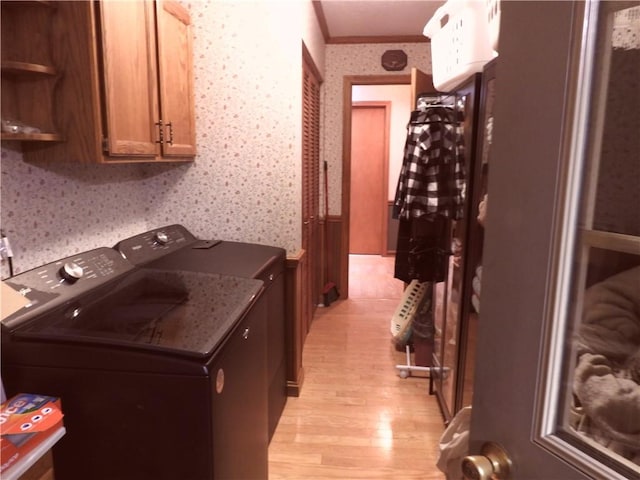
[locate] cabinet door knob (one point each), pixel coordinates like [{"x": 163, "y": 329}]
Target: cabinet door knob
[{"x": 245, "y": 334}]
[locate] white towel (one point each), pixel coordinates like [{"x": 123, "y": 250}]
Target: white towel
[
  {"x": 476, "y": 284},
  {"x": 606, "y": 376}
]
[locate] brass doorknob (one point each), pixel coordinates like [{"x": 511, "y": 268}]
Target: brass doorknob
[{"x": 492, "y": 464}]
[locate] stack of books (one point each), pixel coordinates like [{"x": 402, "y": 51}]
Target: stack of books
[{"x": 30, "y": 425}]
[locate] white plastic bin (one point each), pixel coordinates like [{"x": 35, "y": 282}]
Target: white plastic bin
[
  {"x": 401, "y": 319},
  {"x": 460, "y": 44}
]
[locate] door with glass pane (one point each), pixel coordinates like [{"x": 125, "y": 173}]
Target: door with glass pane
[{"x": 557, "y": 380}]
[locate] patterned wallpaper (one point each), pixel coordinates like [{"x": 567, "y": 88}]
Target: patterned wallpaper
[
  {"x": 51, "y": 211},
  {"x": 344, "y": 60},
  {"x": 245, "y": 182},
  {"x": 617, "y": 202}
]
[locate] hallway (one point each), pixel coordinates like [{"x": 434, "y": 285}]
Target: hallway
[{"x": 355, "y": 417}]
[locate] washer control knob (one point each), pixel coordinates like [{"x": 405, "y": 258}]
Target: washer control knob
[
  {"x": 161, "y": 238},
  {"x": 71, "y": 272}
]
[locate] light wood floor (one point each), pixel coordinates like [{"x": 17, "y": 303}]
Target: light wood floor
[
  {"x": 355, "y": 417},
  {"x": 371, "y": 276}
]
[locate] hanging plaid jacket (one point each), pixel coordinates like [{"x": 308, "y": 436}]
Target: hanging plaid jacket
[{"x": 432, "y": 176}]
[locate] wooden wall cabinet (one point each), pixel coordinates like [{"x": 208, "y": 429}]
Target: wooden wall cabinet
[{"x": 126, "y": 92}]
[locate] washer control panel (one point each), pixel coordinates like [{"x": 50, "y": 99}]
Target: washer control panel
[
  {"x": 149, "y": 246},
  {"x": 60, "y": 281}
]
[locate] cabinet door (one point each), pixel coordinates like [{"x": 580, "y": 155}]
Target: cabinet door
[
  {"x": 176, "y": 79},
  {"x": 556, "y": 372},
  {"x": 420, "y": 83},
  {"x": 240, "y": 424},
  {"x": 130, "y": 78}
]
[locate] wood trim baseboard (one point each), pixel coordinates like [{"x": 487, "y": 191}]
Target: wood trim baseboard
[
  {"x": 295, "y": 387},
  {"x": 333, "y": 230},
  {"x": 295, "y": 324}
]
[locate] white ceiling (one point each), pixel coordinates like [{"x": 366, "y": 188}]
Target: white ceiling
[{"x": 377, "y": 18}]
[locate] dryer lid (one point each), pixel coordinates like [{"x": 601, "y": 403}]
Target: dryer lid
[{"x": 187, "y": 313}]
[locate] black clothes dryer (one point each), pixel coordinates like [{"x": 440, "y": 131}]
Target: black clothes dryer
[
  {"x": 161, "y": 373},
  {"x": 173, "y": 247}
]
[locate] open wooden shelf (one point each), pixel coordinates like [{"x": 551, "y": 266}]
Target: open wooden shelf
[
  {"x": 22, "y": 3},
  {"x": 32, "y": 137},
  {"x": 29, "y": 76},
  {"x": 24, "y": 68}
]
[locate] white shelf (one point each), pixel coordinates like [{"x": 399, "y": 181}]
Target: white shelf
[
  {"x": 33, "y": 456},
  {"x": 612, "y": 241}
]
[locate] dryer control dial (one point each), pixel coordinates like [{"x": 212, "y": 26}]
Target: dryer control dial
[
  {"x": 71, "y": 271},
  {"x": 161, "y": 238}
]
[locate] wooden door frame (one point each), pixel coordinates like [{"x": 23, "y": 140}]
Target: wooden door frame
[
  {"x": 348, "y": 82},
  {"x": 383, "y": 202}
]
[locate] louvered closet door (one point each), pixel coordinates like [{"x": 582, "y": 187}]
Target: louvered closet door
[{"x": 310, "y": 185}]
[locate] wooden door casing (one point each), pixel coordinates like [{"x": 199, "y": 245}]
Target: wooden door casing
[{"x": 348, "y": 83}]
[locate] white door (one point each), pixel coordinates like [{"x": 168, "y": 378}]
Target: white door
[{"x": 558, "y": 355}]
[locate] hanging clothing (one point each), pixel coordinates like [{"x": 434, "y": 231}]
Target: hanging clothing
[
  {"x": 423, "y": 249},
  {"x": 432, "y": 175},
  {"x": 430, "y": 193}
]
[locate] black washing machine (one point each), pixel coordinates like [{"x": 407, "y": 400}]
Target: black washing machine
[
  {"x": 161, "y": 373},
  {"x": 173, "y": 247}
]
